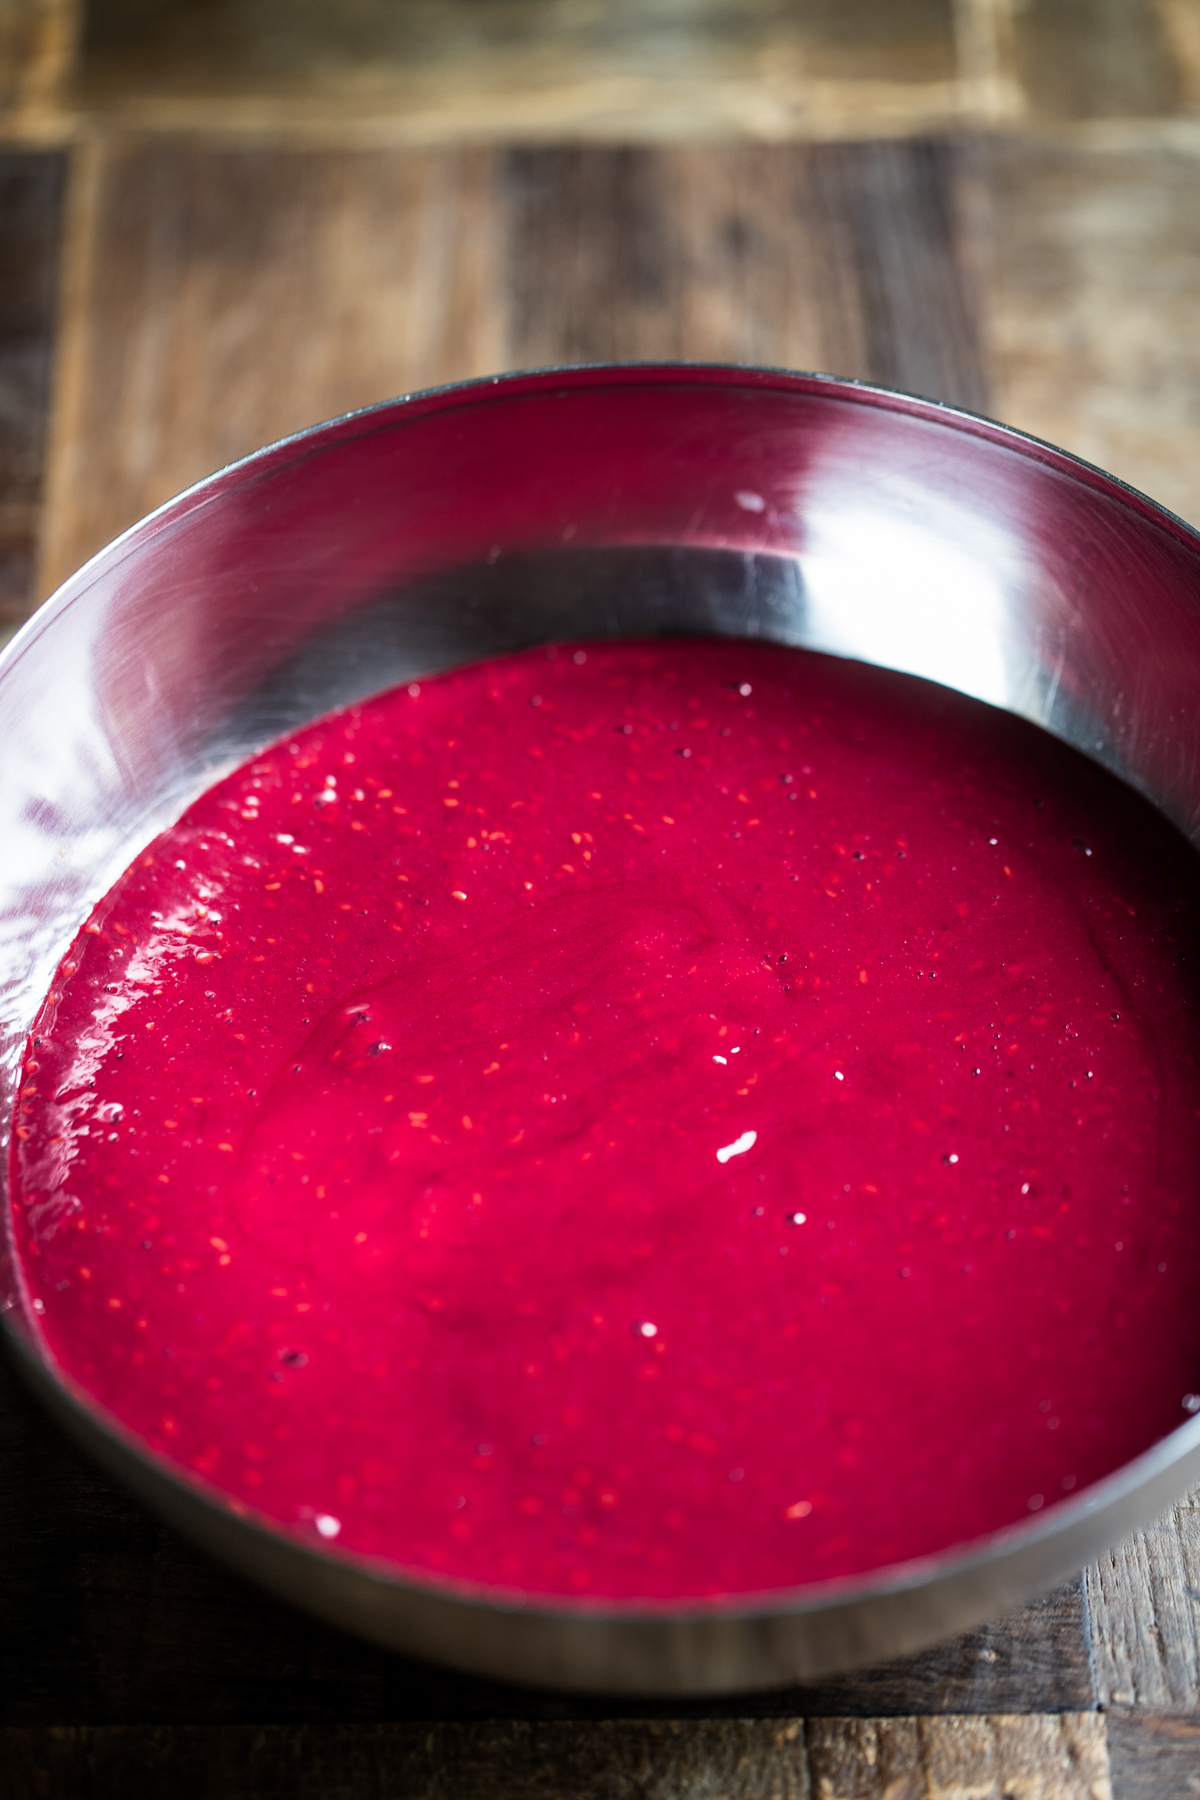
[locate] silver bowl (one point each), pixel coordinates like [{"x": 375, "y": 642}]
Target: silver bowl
[{"x": 593, "y": 502}]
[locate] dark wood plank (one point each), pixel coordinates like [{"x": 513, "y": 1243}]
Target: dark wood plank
[
  {"x": 1034, "y": 1660},
  {"x": 906, "y": 211},
  {"x": 31, "y": 187},
  {"x": 110, "y": 1618},
  {"x": 1059, "y": 1758},
  {"x": 853, "y": 258},
  {"x": 1154, "y": 1756}
]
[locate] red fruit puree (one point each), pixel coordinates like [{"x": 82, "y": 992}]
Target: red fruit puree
[{"x": 656, "y": 1119}]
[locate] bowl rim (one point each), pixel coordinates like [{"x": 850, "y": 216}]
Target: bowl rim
[{"x": 361, "y": 421}]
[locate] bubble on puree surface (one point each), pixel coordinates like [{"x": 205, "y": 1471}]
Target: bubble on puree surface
[{"x": 650, "y": 1119}]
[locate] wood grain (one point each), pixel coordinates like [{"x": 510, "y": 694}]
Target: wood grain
[
  {"x": 218, "y": 297},
  {"x": 1061, "y": 1758},
  {"x": 1093, "y": 294},
  {"x": 290, "y": 44},
  {"x": 447, "y": 70},
  {"x": 996, "y": 1758},
  {"x": 908, "y": 214},
  {"x": 1144, "y": 1602},
  {"x": 216, "y": 300},
  {"x": 854, "y": 259},
  {"x": 1154, "y": 1756},
  {"x": 30, "y": 195},
  {"x": 527, "y": 70}
]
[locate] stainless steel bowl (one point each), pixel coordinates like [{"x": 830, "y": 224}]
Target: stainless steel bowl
[{"x": 594, "y": 502}]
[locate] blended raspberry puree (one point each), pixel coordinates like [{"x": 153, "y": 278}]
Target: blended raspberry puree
[{"x": 658, "y": 1119}]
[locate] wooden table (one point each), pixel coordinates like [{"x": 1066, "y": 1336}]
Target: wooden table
[{"x": 991, "y": 205}]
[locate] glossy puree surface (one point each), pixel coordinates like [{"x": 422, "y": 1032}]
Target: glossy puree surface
[{"x": 653, "y": 1119}]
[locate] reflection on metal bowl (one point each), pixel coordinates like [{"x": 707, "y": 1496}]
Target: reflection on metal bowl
[{"x": 592, "y": 503}]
